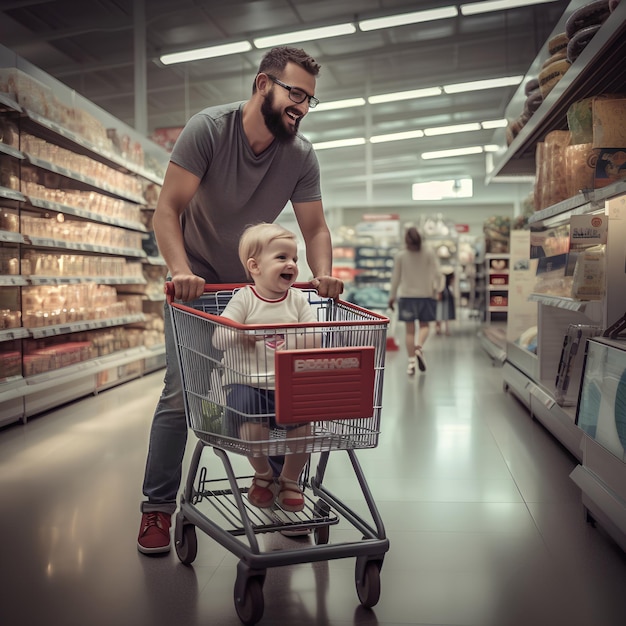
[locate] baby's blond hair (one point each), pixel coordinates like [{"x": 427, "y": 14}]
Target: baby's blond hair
[{"x": 256, "y": 237}]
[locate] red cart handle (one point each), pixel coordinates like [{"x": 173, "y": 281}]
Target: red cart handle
[{"x": 214, "y": 287}]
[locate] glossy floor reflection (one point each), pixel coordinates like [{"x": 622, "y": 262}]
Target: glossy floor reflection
[{"x": 486, "y": 527}]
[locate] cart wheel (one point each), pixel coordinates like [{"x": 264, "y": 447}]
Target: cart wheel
[
  {"x": 321, "y": 535},
  {"x": 187, "y": 548},
  {"x": 368, "y": 588},
  {"x": 321, "y": 508},
  {"x": 250, "y": 606}
]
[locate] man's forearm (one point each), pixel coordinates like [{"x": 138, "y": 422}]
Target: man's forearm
[{"x": 319, "y": 254}]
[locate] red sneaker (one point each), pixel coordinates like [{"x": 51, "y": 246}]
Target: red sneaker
[{"x": 154, "y": 534}]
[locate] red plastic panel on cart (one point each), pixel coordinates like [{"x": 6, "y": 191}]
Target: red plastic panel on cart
[{"x": 324, "y": 384}]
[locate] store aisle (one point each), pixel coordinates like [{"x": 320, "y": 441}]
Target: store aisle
[{"x": 486, "y": 527}]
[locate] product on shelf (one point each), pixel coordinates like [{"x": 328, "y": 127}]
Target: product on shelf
[
  {"x": 592, "y": 14},
  {"x": 580, "y": 167},
  {"x": 569, "y": 374},
  {"x": 580, "y": 121},
  {"x": 588, "y": 281},
  {"x": 551, "y": 73},
  {"x": 609, "y": 116},
  {"x": 558, "y": 43},
  {"x": 580, "y": 40},
  {"x": 497, "y": 230}
]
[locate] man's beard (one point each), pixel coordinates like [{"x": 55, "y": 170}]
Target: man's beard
[{"x": 274, "y": 120}]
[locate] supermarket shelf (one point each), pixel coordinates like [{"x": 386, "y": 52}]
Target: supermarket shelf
[
  {"x": 24, "y": 397},
  {"x": 560, "y": 421},
  {"x": 591, "y": 307},
  {"x": 598, "y": 69}
]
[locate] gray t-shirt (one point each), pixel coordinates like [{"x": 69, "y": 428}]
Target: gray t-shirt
[{"x": 237, "y": 188}]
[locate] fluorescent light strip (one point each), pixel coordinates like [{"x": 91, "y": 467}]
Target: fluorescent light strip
[
  {"x": 339, "y": 143},
  {"x": 409, "y": 134},
  {"x": 408, "y": 18},
  {"x": 449, "y": 130},
  {"x": 498, "y": 5},
  {"x": 305, "y": 35},
  {"x": 444, "y": 154},
  {"x": 206, "y": 53},
  {"x": 477, "y": 85},
  {"x": 492, "y": 124},
  {"x": 339, "y": 104},
  {"x": 405, "y": 95}
]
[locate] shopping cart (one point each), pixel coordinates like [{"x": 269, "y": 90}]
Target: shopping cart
[{"x": 328, "y": 374}]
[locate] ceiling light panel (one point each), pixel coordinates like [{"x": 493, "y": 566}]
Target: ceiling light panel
[
  {"x": 305, "y": 35},
  {"x": 408, "y": 18},
  {"x": 476, "y": 8},
  {"x": 449, "y": 130},
  {"x": 405, "y": 95},
  {"x": 198, "y": 54}
]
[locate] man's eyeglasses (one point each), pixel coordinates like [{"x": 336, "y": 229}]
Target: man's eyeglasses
[{"x": 296, "y": 95}]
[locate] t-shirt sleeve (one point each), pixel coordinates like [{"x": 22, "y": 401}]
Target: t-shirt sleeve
[
  {"x": 305, "y": 310},
  {"x": 193, "y": 149},
  {"x": 236, "y": 309},
  {"x": 308, "y": 186}
]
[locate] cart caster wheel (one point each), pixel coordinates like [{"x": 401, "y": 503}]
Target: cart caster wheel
[
  {"x": 321, "y": 535},
  {"x": 187, "y": 548},
  {"x": 250, "y": 605},
  {"x": 368, "y": 587}
]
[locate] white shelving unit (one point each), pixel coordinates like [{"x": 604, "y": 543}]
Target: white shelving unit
[
  {"x": 497, "y": 286},
  {"x": 601, "y": 68}
]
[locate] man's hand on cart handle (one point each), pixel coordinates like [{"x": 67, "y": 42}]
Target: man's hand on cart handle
[
  {"x": 328, "y": 286},
  {"x": 187, "y": 287}
]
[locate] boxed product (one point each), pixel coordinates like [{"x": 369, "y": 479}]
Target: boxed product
[
  {"x": 569, "y": 374},
  {"x": 580, "y": 121},
  {"x": 589, "y": 272},
  {"x": 610, "y": 166},
  {"x": 580, "y": 167},
  {"x": 551, "y": 277},
  {"x": 609, "y": 129}
]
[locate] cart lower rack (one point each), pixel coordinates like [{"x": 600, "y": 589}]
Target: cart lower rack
[{"x": 328, "y": 375}]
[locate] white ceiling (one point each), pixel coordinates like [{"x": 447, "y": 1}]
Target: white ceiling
[{"x": 90, "y": 47}]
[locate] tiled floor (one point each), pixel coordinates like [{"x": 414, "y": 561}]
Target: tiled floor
[{"x": 486, "y": 527}]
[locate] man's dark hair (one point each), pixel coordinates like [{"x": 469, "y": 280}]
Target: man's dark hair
[
  {"x": 275, "y": 61},
  {"x": 413, "y": 239}
]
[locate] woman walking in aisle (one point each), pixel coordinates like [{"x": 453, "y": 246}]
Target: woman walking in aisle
[{"x": 417, "y": 281}]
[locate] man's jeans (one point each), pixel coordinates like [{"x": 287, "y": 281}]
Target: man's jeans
[{"x": 168, "y": 435}]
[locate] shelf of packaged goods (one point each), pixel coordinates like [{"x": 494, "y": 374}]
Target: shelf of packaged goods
[
  {"x": 8, "y": 236},
  {"x": 40, "y": 203},
  {"x": 44, "y": 242},
  {"x": 55, "y": 133},
  {"x": 580, "y": 204},
  {"x": 10, "y": 280},
  {"x": 81, "y": 326},
  {"x": 73, "y": 280},
  {"x": 82, "y": 178},
  {"x": 11, "y": 151},
  {"x": 24, "y": 397},
  {"x": 600, "y": 68},
  {"x": 11, "y": 334},
  {"x": 11, "y": 194}
]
